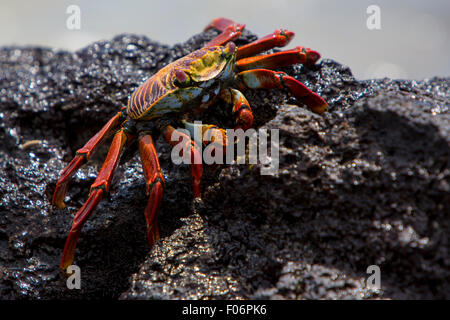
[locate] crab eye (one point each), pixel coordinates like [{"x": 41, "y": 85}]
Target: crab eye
[{"x": 181, "y": 77}]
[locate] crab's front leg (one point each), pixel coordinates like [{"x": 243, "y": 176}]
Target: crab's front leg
[
  {"x": 268, "y": 79},
  {"x": 155, "y": 184}
]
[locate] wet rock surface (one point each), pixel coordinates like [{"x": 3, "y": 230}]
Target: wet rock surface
[{"x": 365, "y": 184}]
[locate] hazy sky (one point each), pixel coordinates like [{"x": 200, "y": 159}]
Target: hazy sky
[{"x": 413, "y": 42}]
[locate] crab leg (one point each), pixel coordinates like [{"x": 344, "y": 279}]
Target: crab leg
[
  {"x": 82, "y": 156},
  {"x": 98, "y": 189},
  {"x": 262, "y": 78},
  {"x": 280, "y": 59},
  {"x": 230, "y": 31},
  {"x": 279, "y": 38},
  {"x": 155, "y": 184},
  {"x": 195, "y": 160}
]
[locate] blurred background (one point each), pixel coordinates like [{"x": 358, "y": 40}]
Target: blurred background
[{"x": 412, "y": 42}]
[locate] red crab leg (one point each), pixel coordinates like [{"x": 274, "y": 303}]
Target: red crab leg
[
  {"x": 262, "y": 78},
  {"x": 155, "y": 184},
  {"x": 279, "y": 38},
  {"x": 98, "y": 189},
  {"x": 280, "y": 59},
  {"x": 196, "y": 157},
  {"x": 230, "y": 31},
  {"x": 241, "y": 108},
  {"x": 82, "y": 156}
]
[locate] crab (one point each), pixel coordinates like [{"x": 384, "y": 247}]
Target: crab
[{"x": 175, "y": 94}]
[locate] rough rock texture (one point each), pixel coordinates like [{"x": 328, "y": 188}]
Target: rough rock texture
[{"x": 365, "y": 184}]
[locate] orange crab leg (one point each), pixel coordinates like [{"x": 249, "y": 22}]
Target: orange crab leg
[
  {"x": 279, "y": 38},
  {"x": 262, "y": 78},
  {"x": 230, "y": 31},
  {"x": 155, "y": 184},
  {"x": 279, "y": 59},
  {"x": 195, "y": 160},
  {"x": 82, "y": 156},
  {"x": 98, "y": 189}
]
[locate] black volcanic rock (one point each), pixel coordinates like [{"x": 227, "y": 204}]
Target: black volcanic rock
[{"x": 365, "y": 184}]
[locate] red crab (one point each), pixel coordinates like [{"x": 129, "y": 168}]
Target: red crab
[{"x": 178, "y": 91}]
